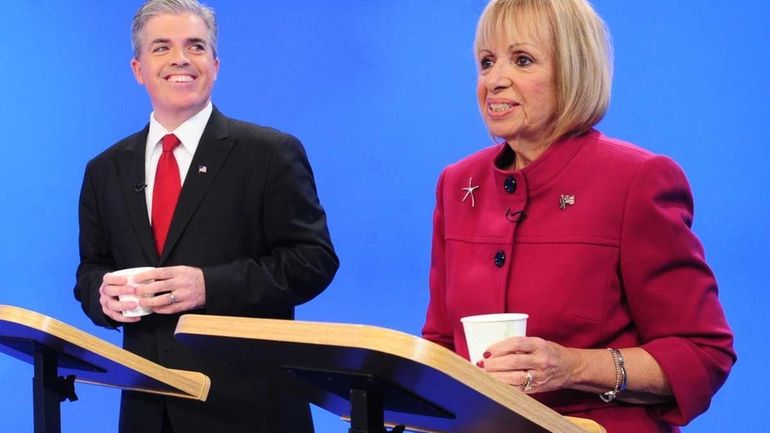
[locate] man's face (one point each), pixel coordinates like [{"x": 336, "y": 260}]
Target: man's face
[{"x": 177, "y": 66}]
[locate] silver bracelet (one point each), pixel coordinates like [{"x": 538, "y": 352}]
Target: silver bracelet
[{"x": 621, "y": 378}]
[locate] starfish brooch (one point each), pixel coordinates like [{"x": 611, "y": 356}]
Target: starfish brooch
[{"x": 469, "y": 192}]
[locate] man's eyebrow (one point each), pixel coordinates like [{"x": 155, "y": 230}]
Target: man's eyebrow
[
  {"x": 197, "y": 41},
  {"x": 189, "y": 41}
]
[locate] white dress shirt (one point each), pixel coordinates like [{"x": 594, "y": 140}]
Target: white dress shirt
[{"x": 189, "y": 134}]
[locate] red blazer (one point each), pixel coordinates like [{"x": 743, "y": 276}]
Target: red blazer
[{"x": 593, "y": 241}]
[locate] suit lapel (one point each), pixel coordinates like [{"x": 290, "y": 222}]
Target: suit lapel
[
  {"x": 213, "y": 149},
  {"x": 130, "y": 167}
]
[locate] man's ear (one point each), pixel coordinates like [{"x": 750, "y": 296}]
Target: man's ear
[
  {"x": 216, "y": 68},
  {"x": 136, "y": 68}
]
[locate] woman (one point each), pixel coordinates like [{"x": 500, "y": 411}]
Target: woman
[{"x": 587, "y": 234}]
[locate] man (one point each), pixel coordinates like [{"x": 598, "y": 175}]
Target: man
[{"x": 225, "y": 210}]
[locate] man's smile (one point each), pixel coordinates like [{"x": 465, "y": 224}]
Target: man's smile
[{"x": 180, "y": 78}]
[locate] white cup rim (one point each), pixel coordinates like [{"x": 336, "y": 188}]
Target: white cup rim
[
  {"x": 497, "y": 317},
  {"x": 131, "y": 271}
]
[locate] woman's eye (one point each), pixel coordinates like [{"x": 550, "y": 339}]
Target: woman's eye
[
  {"x": 486, "y": 63},
  {"x": 523, "y": 61}
]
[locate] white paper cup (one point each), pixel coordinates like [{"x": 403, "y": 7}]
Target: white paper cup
[
  {"x": 486, "y": 329},
  {"x": 129, "y": 274}
]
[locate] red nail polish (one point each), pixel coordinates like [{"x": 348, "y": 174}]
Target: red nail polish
[
  {"x": 486, "y": 354},
  {"x": 480, "y": 363}
]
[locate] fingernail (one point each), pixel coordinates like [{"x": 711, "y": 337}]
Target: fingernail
[
  {"x": 487, "y": 354},
  {"x": 480, "y": 363}
]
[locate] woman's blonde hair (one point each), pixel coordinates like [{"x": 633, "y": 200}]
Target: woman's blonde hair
[{"x": 581, "y": 49}]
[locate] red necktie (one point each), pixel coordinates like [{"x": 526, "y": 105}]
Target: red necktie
[{"x": 165, "y": 193}]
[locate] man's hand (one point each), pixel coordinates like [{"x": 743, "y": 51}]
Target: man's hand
[
  {"x": 174, "y": 289},
  {"x": 112, "y": 287}
]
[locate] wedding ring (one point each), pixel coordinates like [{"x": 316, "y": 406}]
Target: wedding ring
[
  {"x": 173, "y": 300},
  {"x": 528, "y": 382}
]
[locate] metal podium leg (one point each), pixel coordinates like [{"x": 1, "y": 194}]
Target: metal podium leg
[
  {"x": 45, "y": 393},
  {"x": 366, "y": 411}
]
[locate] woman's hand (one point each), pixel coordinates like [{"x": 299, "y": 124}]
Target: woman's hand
[
  {"x": 552, "y": 366},
  {"x": 549, "y": 365}
]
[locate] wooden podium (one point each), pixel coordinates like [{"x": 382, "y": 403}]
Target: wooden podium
[
  {"x": 376, "y": 377},
  {"x": 57, "y": 349}
]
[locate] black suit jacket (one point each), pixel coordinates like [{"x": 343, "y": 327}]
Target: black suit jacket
[{"x": 248, "y": 215}]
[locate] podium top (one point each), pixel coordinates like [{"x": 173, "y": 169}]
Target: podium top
[
  {"x": 91, "y": 359},
  {"x": 438, "y": 390}
]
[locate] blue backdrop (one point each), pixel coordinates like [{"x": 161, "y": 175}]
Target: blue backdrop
[{"x": 382, "y": 95}]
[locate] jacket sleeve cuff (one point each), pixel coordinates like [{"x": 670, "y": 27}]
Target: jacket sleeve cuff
[{"x": 690, "y": 380}]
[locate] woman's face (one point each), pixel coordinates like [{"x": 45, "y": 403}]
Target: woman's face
[{"x": 516, "y": 89}]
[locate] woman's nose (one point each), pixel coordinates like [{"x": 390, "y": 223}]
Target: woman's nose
[{"x": 498, "y": 77}]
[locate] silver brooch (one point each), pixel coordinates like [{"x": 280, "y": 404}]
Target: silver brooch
[
  {"x": 469, "y": 191},
  {"x": 565, "y": 200}
]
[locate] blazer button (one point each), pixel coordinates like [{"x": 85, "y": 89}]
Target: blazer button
[
  {"x": 500, "y": 259},
  {"x": 509, "y": 184}
]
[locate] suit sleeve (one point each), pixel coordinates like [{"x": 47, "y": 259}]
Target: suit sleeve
[
  {"x": 95, "y": 258},
  {"x": 672, "y": 293},
  {"x": 438, "y": 327},
  {"x": 300, "y": 260}
]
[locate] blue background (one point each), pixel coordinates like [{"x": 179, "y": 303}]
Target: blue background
[{"x": 382, "y": 95}]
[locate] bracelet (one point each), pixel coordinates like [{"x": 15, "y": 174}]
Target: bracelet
[{"x": 621, "y": 378}]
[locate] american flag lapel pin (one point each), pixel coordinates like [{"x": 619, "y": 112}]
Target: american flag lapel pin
[
  {"x": 202, "y": 169},
  {"x": 566, "y": 200}
]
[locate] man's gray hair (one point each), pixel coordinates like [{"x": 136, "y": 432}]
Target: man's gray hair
[{"x": 152, "y": 8}]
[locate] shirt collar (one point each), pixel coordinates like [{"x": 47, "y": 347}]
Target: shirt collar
[{"x": 189, "y": 132}]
